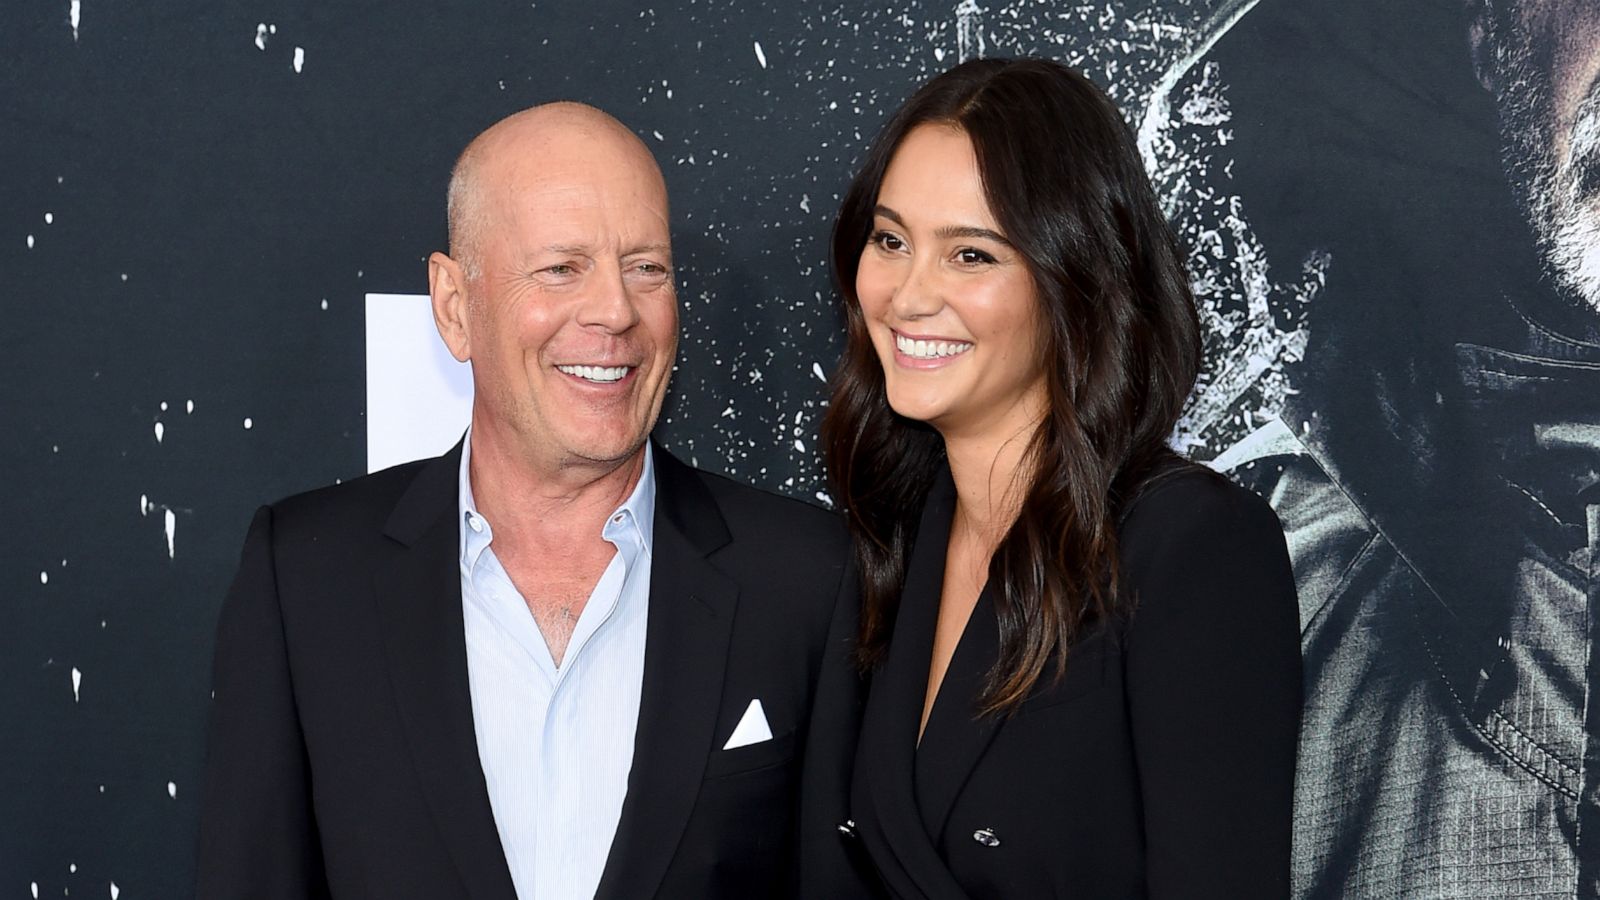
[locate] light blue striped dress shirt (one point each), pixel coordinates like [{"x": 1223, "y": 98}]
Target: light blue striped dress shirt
[{"x": 556, "y": 743}]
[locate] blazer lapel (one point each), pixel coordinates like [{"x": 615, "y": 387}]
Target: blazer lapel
[
  {"x": 956, "y": 737},
  {"x": 419, "y": 612},
  {"x": 688, "y": 629},
  {"x": 889, "y": 753}
]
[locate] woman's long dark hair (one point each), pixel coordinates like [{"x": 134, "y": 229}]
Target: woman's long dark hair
[{"x": 1121, "y": 341}]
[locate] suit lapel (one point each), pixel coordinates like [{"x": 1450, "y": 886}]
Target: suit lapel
[
  {"x": 956, "y": 737},
  {"x": 419, "y": 612},
  {"x": 906, "y": 852},
  {"x": 689, "y": 626}
]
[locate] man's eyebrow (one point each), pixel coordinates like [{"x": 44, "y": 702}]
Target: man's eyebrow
[
  {"x": 947, "y": 232},
  {"x": 649, "y": 248}
]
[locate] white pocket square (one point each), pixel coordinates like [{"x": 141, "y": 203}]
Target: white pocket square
[{"x": 752, "y": 728}]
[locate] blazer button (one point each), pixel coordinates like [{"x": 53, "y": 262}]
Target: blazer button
[
  {"x": 847, "y": 828},
  {"x": 986, "y": 837}
]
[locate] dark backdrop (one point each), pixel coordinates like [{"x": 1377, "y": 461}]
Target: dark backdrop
[{"x": 197, "y": 196}]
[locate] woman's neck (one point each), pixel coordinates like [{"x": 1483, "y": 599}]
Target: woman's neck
[{"x": 991, "y": 476}]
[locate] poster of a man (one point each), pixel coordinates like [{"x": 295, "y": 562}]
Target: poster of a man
[{"x": 1436, "y": 453}]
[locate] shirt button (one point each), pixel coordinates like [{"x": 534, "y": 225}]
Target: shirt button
[{"x": 474, "y": 523}]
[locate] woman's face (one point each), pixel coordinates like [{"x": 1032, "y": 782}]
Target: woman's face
[{"x": 951, "y": 308}]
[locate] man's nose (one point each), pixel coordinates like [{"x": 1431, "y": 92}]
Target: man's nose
[{"x": 609, "y": 305}]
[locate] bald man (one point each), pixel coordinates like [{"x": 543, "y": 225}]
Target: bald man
[{"x": 554, "y": 662}]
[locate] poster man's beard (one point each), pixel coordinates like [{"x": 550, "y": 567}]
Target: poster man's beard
[{"x": 1560, "y": 194}]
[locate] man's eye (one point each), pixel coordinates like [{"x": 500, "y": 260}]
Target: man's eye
[
  {"x": 650, "y": 268},
  {"x": 884, "y": 240},
  {"x": 971, "y": 256},
  {"x": 560, "y": 269}
]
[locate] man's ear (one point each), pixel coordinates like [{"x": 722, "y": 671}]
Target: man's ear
[
  {"x": 1478, "y": 43},
  {"x": 447, "y": 288}
]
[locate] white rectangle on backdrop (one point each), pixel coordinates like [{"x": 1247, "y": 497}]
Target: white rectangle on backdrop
[{"x": 419, "y": 398}]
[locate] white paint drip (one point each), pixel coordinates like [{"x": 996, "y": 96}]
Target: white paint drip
[
  {"x": 74, "y": 15},
  {"x": 261, "y": 36},
  {"x": 33, "y": 886},
  {"x": 77, "y": 681},
  {"x": 816, "y": 369},
  {"x": 172, "y": 790},
  {"x": 115, "y": 890},
  {"x": 160, "y": 430},
  {"x": 299, "y": 59},
  {"x": 172, "y": 529},
  {"x": 761, "y": 56}
]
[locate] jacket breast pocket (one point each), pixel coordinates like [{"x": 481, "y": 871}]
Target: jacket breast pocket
[{"x": 751, "y": 757}]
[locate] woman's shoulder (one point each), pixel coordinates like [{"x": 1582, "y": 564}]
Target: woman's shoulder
[{"x": 1192, "y": 511}]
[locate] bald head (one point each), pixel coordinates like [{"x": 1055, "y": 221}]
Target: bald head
[{"x": 562, "y": 137}]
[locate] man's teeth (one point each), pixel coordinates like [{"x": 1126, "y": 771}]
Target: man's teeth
[
  {"x": 929, "y": 349},
  {"x": 596, "y": 373}
]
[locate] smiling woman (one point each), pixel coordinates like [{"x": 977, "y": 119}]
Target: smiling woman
[{"x": 1021, "y": 340}]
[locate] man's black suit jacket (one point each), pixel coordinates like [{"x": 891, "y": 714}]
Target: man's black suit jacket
[{"x": 342, "y": 757}]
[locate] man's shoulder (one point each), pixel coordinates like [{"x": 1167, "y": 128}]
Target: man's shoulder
[
  {"x": 752, "y": 512},
  {"x": 360, "y": 504}
]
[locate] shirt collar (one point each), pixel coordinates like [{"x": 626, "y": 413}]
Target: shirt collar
[{"x": 636, "y": 515}]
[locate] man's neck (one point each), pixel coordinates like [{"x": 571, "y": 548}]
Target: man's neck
[{"x": 534, "y": 504}]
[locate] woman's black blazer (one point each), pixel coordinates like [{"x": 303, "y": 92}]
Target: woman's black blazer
[{"x": 1162, "y": 765}]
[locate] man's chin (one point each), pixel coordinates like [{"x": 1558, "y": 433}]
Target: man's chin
[{"x": 1574, "y": 255}]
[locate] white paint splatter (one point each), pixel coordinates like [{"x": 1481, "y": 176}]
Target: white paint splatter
[
  {"x": 33, "y": 886},
  {"x": 30, "y": 242},
  {"x": 248, "y": 423},
  {"x": 49, "y": 218},
  {"x": 816, "y": 369},
  {"x": 800, "y": 445},
  {"x": 658, "y": 135},
  {"x": 144, "y": 505},
  {"x": 72, "y": 867},
  {"x": 124, "y": 276},
  {"x": 261, "y": 36},
  {"x": 324, "y": 303},
  {"x": 172, "y": 790},
  {"x": 115, "y": 890},
  {"x": 77, "y": 681},
  {"x": 299, "y": 59},
  {"x": 163, "y": 406},
  {"x": 172, "y": 530},
  {"x": 44, "y": 577},
  {"x": 74, "y": 16},
  {"x": 805, "y": 202},
  {"x": 160, "y": 430},
  {"x": 761, "y": 56},
  {"x": 189, "y": 407}
]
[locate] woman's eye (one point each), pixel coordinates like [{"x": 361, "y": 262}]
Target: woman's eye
[
  {"x": 970, "y": 256},
  {"x": 883, "y": 240}
]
